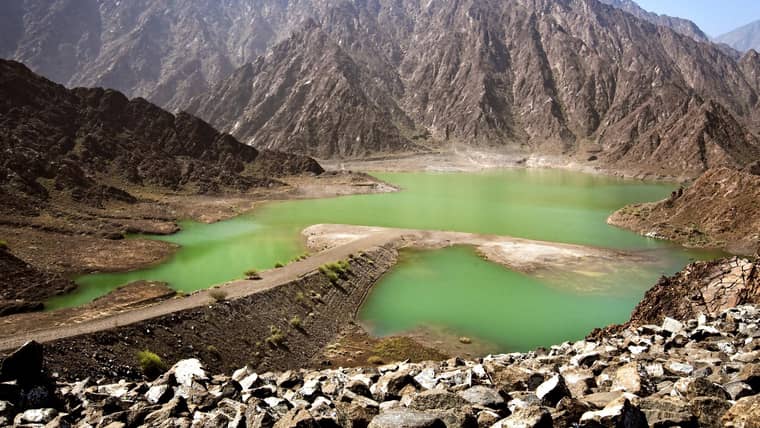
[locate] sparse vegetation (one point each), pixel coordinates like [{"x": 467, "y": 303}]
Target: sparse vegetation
[
  {"x": 375, "y": 360},
  {"x": 252, "y": 274},
  {"x": 335, "y": 271},
  {"x": 276, "y": 336},
  {"x": 218, "y": 294},
  {"x": 212, "y": 350},
  {"x": 151, "y": 364},
  {"x": 296, "y": 322},
  {"x": 3, "y": 244}
]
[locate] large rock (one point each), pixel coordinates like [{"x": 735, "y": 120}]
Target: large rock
[
  {"x": 484, "y": 396},
  {"x": 527, "y": 417},
  {"x": 620, "y": 413},
  {"x": 667, "y": 412},
  {"x": 744, "y": 414},
  {"x": 406, "y": 418},
  {"x": 553, "y": 390},
  {"x": 24, "y": 365}
]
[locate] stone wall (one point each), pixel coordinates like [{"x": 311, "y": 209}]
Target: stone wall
[{"x": 280, "y": 328}]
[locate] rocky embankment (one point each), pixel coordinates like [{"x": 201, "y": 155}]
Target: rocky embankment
[
  {"x": 701, "y": 372},
  {"x": 720, "y": 210},
  {"x": 23, "y": 287},
  {"x": 700, "y": 367}
]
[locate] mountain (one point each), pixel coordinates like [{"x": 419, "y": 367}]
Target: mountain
[
  {"x": 721, "y": 208},
  {"x": 743, "y": 38},
  {"x": 679, "y": 25},
  {"x": 574, "y": 78},
  {"x": 552, "y": 77},
  {"x": 90, "y": 146}
]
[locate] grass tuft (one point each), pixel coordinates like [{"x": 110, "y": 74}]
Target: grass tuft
[{"x": 151, "y": 364}]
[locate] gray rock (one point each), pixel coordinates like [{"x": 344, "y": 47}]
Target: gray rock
[
  {"x": 437, "y": 399},
  {"x": 159, "y": 394},
  {"x": 406, "y": 418},
  {"x": 527, "y": 417},
  {"x": 667, "y": 412},
  {"x": 484, "y": 396}
]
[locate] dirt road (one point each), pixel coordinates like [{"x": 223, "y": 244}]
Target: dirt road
[{"x": 16, "y": 334}]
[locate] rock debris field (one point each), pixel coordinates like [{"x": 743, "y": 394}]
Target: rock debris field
[{"x": 699, "y": 372}]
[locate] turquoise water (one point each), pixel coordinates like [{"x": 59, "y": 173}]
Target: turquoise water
[{"x": 549, "y": 205}]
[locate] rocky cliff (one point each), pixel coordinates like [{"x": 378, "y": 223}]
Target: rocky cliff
[
  {"x": 90, "y": 146},
  {"x": 576, "y": 78},
  {"x": 719, "y": 210}
]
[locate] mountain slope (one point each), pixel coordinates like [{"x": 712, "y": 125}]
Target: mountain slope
[
  {"x": 719, "y": 210},
  {"x": 575, "y": 77},
  {"x": 89, "y": 145},
  {"x": 743, "y": 38},
  {"x": 679, "y": 25},
  {"x": 315, "y": 100}
]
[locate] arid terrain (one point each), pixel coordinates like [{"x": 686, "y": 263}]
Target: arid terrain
[{"x": 719, "y": 210}]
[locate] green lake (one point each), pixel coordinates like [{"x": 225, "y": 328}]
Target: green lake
[{"x": 451, "y": 288}]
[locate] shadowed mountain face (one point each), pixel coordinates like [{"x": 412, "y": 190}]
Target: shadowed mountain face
[
  {"x": 351, "y": 79},
  {"x": 743, "y": 38},
  {"x": 88, "y": 145}
]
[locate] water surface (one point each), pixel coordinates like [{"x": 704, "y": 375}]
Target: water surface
[{"x": 551, "y": 205}]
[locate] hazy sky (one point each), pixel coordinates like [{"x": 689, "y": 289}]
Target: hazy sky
[{"x": 714, "y": 17}]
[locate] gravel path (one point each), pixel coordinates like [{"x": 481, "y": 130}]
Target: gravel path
[{"x": 235, "y": 289}]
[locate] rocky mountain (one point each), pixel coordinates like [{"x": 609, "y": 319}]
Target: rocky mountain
[
  {"x": 144, "y": 48},
  {"x": 743, "y": 38},
  {"x": 721, "y": 208},
  {"x": 90, "y": 146},
  {"x": 562, "y": 77},
  {"x": 680, "y": 25},
  {"x": 570, "y": 77}
]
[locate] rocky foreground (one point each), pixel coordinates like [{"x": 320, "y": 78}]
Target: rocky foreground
[{"x": 699, "y": 372}]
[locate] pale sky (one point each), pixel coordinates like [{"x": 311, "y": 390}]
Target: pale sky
[{"x": 714, "y": 17}]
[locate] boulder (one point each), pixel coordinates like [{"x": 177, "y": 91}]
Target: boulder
[
  {"x": 437, "y": 399},
  {"x": 619, "y": 413},
  {"x": 24, "y": 365},
  {"x": 744, "y": 414},
  {"x": 527, "y": 417},
  {"x": 628, "y": 379},
  {"x": 484, "y": 396},
  {"x": 406, "y": 418},
  {"x": 553, "y": 390},
  {"x": 667, "y": 412},
  {"x": 702, "y": 387},
  {"x": 709, "y": 411}
]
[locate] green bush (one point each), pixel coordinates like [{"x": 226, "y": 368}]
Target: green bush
[
  {"x": 278, "y": 265},
  {"x": 276, "y": 336},
  {"x": 375, "y": 360},
  {"x": 252, "y": 274},
  {"x": 217, "y": 294},
  {"x": 3, "y": 245},
  {"x": 150, "y": 364}
]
